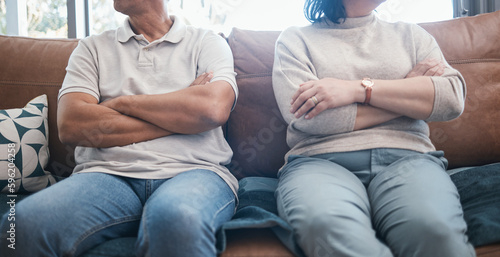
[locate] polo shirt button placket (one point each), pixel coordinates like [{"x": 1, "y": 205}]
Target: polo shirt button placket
[{"x": 145, "y": 58}]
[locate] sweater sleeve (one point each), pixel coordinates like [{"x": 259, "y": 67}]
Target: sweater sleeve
[
  {"x": 449, "y": 88},
  {"x": 292, "y": 67}
]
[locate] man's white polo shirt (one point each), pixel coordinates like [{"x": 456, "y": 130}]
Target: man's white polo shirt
[{"x": 119, "y": 62}]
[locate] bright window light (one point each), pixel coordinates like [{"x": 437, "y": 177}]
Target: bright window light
[
  {"x": 3, "y": 18},
  {"x": 47, "y": 18},
  {"x": 104, "y": 17},
  {"x": 416, "y": 11},
  {"x": 223, "y": 15}
]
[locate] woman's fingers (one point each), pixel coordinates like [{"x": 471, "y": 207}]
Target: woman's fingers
[
  {"x": 302, "y": 95},
  {"x": 308, "y": 105}
]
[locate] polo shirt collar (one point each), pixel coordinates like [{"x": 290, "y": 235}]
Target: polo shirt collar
[{"x": 174, "y": 35}]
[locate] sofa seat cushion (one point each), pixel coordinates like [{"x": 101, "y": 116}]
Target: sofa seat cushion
[
  {"x": 478, "y": 189},
  {"x": 257, "y": 209},
  {"x": 119, "y": 247}
]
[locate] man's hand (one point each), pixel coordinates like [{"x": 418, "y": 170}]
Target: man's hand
[
  {"x": 115, "y": 103},
  {"x": 80, "y": 120},
  {"x": 192, "y": 110},
  {"x": 203, "y": 79},
  {"x": 83, "y": 122}
]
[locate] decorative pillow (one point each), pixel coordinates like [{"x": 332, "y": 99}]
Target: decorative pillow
[{"x": 24, "y": 150}]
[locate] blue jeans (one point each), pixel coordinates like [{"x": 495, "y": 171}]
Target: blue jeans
[
  {"x": 171, "y": 217},
  {"x": 380, "y": 202}
]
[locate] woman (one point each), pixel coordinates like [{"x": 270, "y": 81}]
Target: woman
[{"x": 362, "y": 177}]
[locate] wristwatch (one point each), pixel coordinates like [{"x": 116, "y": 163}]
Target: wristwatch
[{"x": 367, "y": 83}]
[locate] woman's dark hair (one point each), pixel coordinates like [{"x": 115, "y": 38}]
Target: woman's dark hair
[{"x": 334, "y": 10}]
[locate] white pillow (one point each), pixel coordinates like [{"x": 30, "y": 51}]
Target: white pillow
[{"x": 24, "y": 148}]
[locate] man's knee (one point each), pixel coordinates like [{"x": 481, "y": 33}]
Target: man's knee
[{"x": 182, "y": 220}]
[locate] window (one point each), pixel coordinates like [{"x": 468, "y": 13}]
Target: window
[
  {"x": 104, "y": 17},
  {"x": 47, "y": 18},
  {"x": 223, "y": 15},
  {"x": 3, "y": 18},
  {"x": 34, "y": 18},
  {"x": 78, "y": 18},
  {"x": 218, "y": 15},
  {"x": 416, "y": 11}
]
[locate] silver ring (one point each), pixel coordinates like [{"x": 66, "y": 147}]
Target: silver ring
[{"x": 315, "y": 100}]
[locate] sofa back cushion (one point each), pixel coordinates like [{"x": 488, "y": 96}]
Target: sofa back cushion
[
  {"x": 256, "y": 131},
  {"x": 472, "y": 46},
  {"x": 32, "y": 67}
]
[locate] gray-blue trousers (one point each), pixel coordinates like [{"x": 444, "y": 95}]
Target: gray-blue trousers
[{"x": 380, "y": 202}]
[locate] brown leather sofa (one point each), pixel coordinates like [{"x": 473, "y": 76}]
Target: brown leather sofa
[{"x": 255, "y": 130}]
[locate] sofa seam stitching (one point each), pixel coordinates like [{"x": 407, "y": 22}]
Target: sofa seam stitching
[
  {"x": 30, "y": 83},
  {"x": 468, "y": 61}
]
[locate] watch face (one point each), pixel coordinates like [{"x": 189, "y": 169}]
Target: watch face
[{"x": 367, "y": 83}]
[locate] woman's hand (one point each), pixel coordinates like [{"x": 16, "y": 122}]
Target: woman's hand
[
  {"x": 313, "y": 97},
  {"x": 428, "y": 67}
]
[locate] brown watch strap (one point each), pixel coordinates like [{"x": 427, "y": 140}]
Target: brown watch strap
[
  {"x": 368, "y": 95},
  {"x": 367, "y": 83}
]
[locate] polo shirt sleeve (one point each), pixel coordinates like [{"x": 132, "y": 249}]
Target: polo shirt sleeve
[
  {"x": 216, "y": 56},
  {"x": 81, "y": 72}
]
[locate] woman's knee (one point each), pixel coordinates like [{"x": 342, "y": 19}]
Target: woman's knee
[
  {"x": 330, "y": 222},
  {"x": 429, "y": 233},
  {"x": 430, "y": 228},
  {"x": 331, "y": 232}
]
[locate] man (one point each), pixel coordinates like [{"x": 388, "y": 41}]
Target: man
[{"x": 144, "y": 105}]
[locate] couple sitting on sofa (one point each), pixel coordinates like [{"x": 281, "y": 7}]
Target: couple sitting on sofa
[{"x": 144, "y": 105}]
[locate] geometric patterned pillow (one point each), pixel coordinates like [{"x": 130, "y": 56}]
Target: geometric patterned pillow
[{"x": 24, "y": 149}]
